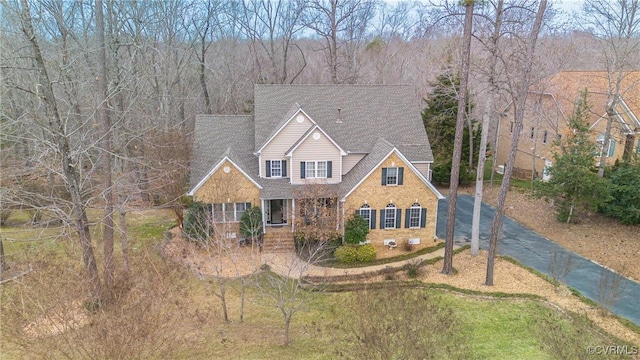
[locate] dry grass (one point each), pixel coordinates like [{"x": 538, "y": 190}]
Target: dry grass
[{"x": 510, "y": 278}]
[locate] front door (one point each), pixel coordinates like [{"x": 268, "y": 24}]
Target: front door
[{"x": 276, "y": 212}]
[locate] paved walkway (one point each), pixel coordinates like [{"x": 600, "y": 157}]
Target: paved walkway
[{"x": 534, "y": 250}]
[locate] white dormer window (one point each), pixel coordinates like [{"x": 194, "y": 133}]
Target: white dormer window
[
  {"x": 315, "y": 169},
  {"x": 276, "y": 168}
]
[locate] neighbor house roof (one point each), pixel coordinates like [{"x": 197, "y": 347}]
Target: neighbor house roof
[
  {"x": 567, "y": 85},
  {"x": 355, "y": 116}
]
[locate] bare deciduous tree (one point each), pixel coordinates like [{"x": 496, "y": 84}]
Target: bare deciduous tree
[
  {"x": 520, "y": 98},
  {"x": 616, "y": 26},
  {"x": 447, "y": 267}
]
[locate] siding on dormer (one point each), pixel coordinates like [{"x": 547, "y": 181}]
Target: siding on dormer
[
  {"x": 282, "y": 142},
  {"x": 349, "y": 161},
  {"x": 321, "y": 149}
]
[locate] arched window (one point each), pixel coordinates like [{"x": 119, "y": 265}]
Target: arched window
[
  {"x": 390, "y": 216},
  {"x": 365, "y": 213},
  {"x": 414, "y": 215}
]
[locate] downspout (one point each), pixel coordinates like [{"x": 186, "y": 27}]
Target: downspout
[
  {"x": 342, "y": 221},
  {"x": 435, "y": 222}
]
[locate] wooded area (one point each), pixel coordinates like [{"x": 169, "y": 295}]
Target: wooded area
[{"x": 99, "y": 98}]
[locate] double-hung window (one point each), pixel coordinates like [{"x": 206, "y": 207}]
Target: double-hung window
[
  {"x": 316, "y": 169},
  {"x": 368, "y": 215},
  {"x": 321, "y": 170},
  {"x": 392, "y": 176},
  {"x": 390, "y": 217},
  {"x": 311, "y": 169},
  {"x": 414, "y": 215},
  {"x": 276, "y": 168}
]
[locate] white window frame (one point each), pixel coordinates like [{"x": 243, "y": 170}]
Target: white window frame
[
  {"x": 278, "y": 168},
  {"x": 366, "y": 209},
  {"x": 314, "y": 171},
  {"x": 415, "y": 209},
  {"x": 395, "y": 177},
  {"x": 611, "y": 150},
  {"x": 390, "y": 208},
  {"x": 220, "y": 215},
  {"x": 321, "y": 169}
]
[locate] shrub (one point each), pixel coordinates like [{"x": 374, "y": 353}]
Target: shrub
[
  {"x": 365, "y": 253},
  {"x": 251, "y": 223},
  {"x": 356, "y": 230},
  {"x": 196, "y": 224},
  {"x": 407, "y": 246},
  {"x": 346, "y": 254},
  {"x": 413, "y": 269}
]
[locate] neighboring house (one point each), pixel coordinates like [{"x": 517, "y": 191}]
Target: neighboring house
[
  {"x": 352, "y": 148},
  {"x": 548, "y": 110}
]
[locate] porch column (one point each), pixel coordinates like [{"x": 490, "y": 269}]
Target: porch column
[
  {"x": 264, "y": 219},
  {"x": 293, "y": 215}
]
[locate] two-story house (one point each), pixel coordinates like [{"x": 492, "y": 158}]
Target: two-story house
[
  {"x": 550, "y": 105},
  {"x": 358, "y": 148}
]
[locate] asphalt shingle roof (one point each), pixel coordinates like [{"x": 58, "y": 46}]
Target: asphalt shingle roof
[
  {"x": 216, "y": 136},
  {"x": 367, "y": 112}
]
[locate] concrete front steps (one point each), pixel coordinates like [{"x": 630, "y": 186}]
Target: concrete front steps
[{"x": 278, "y": 241}]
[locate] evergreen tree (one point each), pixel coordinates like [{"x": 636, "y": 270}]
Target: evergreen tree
[
  {"x": 439, "y": 119},
  {"x": 624, "y": 203},
  {"x": 574, "y": 183}
]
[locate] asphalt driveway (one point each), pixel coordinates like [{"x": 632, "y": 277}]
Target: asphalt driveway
[{"x": 534, "y": 250}]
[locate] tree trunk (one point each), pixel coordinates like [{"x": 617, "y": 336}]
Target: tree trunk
[
  {"x": 223, "y": 300},
  {"x": 489, "y": 115},
  {"x": 242, "y": 297},
  {"x": 607, "y": 138},
  {"x": 457, "y": 147},
  {"x": 105, "y": 149},
  {"x": 3, "y": 264},
  {"x": 57, "y": 130},
  {"x": 124, "y": 242},
  {"x": 523, "y": 90}
]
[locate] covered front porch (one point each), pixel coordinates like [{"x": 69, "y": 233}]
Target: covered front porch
[{"x": 282, "y": 217}]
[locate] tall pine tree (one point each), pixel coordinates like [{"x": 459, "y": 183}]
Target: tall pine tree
[
  {"x": 574, "y": 182},
  {"x": 439, "y": 119}
]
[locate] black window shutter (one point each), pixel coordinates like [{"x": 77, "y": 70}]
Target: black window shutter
[
  {"x": 247, "y": 206},
  {"x": 268, "y": 167},
  {"x": 382, "y": 214},
  {"x": 398, "y": 218},
  {"x": 284, "y": 168},
  {"x": 329, "y": 168},
  {"x": 407, "y": 215},
  {"x": 372, "y": 224},
  {"x": 400, "y": 175},
  {"x": 384, "y": 176},
  {"x": 423, "y": 218},
  {"x": 302, "y": 170}
]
